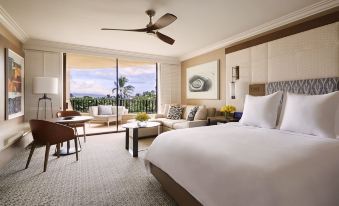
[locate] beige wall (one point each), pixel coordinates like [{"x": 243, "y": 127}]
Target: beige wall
[
  {"x": 9, "y": 129},
  {"x": 214, "y": 55},
  {"x": 306, "y": 55}
]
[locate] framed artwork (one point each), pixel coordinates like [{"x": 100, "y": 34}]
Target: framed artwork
[
  {"x": 14, "y": 84},
  {"x": 202, "y": 81}
]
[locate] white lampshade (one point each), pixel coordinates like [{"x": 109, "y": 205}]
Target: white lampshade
[{"x": 45, "y": 85}]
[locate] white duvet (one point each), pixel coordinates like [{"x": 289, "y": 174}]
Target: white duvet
[{"x": 233, "y": 165}]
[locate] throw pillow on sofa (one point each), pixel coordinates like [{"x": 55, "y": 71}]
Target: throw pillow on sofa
[
  {"x": 175, "y": 112},
  {"x": 191, "y": 114},
  {"x": 201, "y": 113},
  {"x": 105, "y": 110}
]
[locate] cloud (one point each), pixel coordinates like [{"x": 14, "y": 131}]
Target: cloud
[
  {"x": 135, "y": 71},
  {"x": 89, "y": 87},
  {"x": 101, "y": 81}
]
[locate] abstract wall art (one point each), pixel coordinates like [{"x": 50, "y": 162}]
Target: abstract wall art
[
  {"x": 14, "y": 85},
  {"x": 202, "y": 81}
]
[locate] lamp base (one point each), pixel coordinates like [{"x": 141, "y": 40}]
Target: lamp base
[{"x": 44, "y": 98}]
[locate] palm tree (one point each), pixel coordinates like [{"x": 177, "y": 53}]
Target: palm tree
[{"x": 124, "y": 91}]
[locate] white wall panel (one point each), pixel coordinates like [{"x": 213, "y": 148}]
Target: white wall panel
[
  {"x": 307, "y": 55},
  {"x": 39, "y": 63},
  {"x": 242, "y": 59},
  {"x": 169, "y": 84},
  {"x": 259, "y": 64}
]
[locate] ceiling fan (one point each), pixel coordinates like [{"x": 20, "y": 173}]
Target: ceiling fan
[{"x": 151, "y": 28}]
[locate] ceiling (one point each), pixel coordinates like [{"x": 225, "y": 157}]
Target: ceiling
[{"x": 200, "y": 23}]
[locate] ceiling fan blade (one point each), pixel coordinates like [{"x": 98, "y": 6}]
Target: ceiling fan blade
[
  {"x": 164, "y": 21},
  {"x": 137, "y": 30},
  {"x": 165, "y": 38}
]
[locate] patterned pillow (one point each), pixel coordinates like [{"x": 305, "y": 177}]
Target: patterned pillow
[
  {"x": 105, "y": 110},
  {"x": 175, "y": 112},
  {"x": 191, "y": 114}
]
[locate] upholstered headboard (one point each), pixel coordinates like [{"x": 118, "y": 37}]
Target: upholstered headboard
[{"x": 307, "y": 86}]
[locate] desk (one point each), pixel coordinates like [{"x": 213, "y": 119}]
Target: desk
[{"x": 69, "y": 121}]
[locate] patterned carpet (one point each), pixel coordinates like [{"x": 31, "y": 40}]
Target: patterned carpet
[{"x": 105, "y": 174}]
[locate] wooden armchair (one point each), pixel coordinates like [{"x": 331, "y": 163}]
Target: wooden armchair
[
  {"x": 73, "y": 113},
  {"x": 48, "y": 133}
]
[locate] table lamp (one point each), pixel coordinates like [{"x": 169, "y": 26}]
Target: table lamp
[{"x": 45, "y": 85}]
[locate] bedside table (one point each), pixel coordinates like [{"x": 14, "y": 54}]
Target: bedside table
[{"x": 220, "y": 119}]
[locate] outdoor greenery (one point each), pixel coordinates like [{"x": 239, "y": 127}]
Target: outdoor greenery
[
  {"x": 145, "y": 102},
  {"x": 124, "y": 90}
]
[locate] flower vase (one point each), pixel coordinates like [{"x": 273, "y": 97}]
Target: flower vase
[
  {"x": 142, "y": 123},
  {"x": 228, "y": 115}
]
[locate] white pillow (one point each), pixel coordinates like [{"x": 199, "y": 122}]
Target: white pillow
[
  {"x": 261, "y": 111},
  {"x": 310, "y": 114}
]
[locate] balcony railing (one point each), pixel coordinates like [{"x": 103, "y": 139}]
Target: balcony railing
[{"x": 133, "y": 105}]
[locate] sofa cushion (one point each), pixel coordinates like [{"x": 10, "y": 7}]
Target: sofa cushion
[
  {"x": 191, "y": 113},
  {"x": 105, "y": 110},
  {"x": 169, "y": 122},
  {"x": 93, "y": 110},
  {"x": 165, "y": 109},
  {"x": 175, "y": 112},
  {"x": 201, "y": 113},
  {"x": 120, "y": 110},
  {"x": 211, "y": 112}
]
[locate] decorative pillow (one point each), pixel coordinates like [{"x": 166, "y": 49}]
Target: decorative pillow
[
  {"x": 175, "y": 112},
  {"x": 201, "y": 113},
  {"x": 192, "y": 112},
  {"x": 105, "y": 110},
  {"x": 261, "y": 111},
  {"x": 187, "y": 109},
  {"x": 310, "y": 114}
]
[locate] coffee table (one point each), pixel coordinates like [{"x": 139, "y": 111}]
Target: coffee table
[{"x": 135, "y": 127}]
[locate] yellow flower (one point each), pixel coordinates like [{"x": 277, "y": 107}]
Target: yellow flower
[
  {"x": 142, "y": 116},
  {"x": 228, "y": 109}
]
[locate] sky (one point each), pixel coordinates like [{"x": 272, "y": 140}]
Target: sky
[{"x": 101, "y": 81}]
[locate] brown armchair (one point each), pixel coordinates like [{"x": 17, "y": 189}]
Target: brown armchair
[
  {"x": 48, "y": 133},
  {"x": 73, "y": 113}
]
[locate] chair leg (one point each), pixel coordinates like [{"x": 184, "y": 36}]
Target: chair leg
[
  {"x": 77, "y": 135},
  {"x": 58, "y": 150},
  {"x": 76, "y": 148},
  {"x": 46, "y": 156},
  {"x": 84, "y": 133},
  {"x": 30, "y": 154}
]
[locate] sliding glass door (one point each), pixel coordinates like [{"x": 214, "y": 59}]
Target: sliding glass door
[
  {"x": 137, "y": 88},
  {"x": 109, "y": 89}
]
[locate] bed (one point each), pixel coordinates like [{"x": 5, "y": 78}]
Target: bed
[{"x": 238, "y": 165}]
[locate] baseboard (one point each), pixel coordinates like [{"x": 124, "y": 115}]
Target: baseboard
[{"x": 18, "y": 146}]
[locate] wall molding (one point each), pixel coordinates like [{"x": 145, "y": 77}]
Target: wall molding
[
  {"x": 10, "y": 24},
  {"x": 298, "y": 15},
  {"x": 285, "y": 32},
  {"x": 18, "y": 145},
  {"x": 43, "y": 45}
]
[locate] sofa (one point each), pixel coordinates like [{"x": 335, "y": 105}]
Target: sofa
[
  {"x": 107, "y": 118},
  {"x": 200, "y": 119}
]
